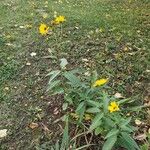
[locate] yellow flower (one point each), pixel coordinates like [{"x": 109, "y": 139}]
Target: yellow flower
[
  {"x": 43, "y": 29},
  {"x": 100, "y": 82},
  {"x": 113, "y": 107},
  {"x": 87, "y": 117},
  {"x": 59, "y": 19}
]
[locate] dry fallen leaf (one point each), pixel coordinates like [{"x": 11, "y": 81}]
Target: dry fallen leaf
[
  {"x": 6, "y": 88},
  {"x": 118, "y": 95},
  {"x": 138, "y": 122},
  {"x": 33, "y": 125},
  {"x": 56, "y": 111},
  {"x": 3, "y": 133},
  {"x": 33, "y": 54},
  {"x": 28, "y": 64},
  {"x": 140, "y": 137}
]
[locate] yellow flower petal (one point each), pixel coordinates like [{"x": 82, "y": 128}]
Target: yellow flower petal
[
  {"x": 100, "y": 82},
  {"x": 43, "y": 29},
  {"x": 113, "y": 107},
  {"x": 59, "y": 19}
]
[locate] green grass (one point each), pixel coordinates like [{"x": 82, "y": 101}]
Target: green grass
[{"x": 122, "y": 23}]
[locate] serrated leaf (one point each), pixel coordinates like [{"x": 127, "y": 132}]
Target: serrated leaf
[
  {"x": 127, "y": 129},
  {"x": 110, "y": 142},
  {"x": 94, "y": 103},
  {"x": 96, "y": 121},
  {"x": 130, "y": 141},
  {"x": 125, "y": 122},
  {"x": 65, "y": 138},
  {"x": 111, "y": 133},
  {"x": 73, "y": 79},
  {"x": 93, "y": 110},
  {"x": 53, "y": 84}
]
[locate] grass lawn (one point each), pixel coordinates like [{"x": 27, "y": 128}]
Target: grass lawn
[{"x": 110, "y": 36}]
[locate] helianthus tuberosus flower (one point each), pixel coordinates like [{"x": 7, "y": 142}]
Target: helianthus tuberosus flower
[
  {"x": 100, "y": 82},
  {"x": 113, "y": 107},
  {"x": 43, "y": 29},
  {"x": 58, "y": 20}
]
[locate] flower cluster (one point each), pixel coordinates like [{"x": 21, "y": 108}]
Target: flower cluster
[{"x": 44, "y": 29}]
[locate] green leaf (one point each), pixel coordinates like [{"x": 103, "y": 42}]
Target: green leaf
[
  {"x": 81, "y": 113},
  {"x": 80, "y": 106},
  {"x": 52, "y": 72},
  {"x": 96, "y": 121},
  {"x": 55, "y": 74},
  {"x": 112, "y": 132},
  {"x": 123, "y": 101},
  {"x": 73, "y": 79},
  {"x": 125, "y": 122},
  {"x": 94, "y": 103},
  {"x": 105, "y": 102},
  {"x": 130, "y": 141},
  {"x": 110, "y": 142},
  {"x": 127, "y": 129},
  {"x": 144, "y": 147},
  {"x": 65, "y": 138},
  {"x": 108, "y": 122},
  {"x": 136, "y": 108},
  {"x": 63, "y": 63},
  {"x": 80, "y": 110},
  {"x": 53, "y": 84},
  {"x": 94, "y": 76},
  {"x": 93, "y": 110},
  {"x": 98, "y": 130},
  {"x": 57, "y": 145}
]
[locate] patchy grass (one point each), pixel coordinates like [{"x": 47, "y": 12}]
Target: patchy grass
[{"x": 111, "y": 35}]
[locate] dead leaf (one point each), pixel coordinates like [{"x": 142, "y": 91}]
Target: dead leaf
[
  {"x": 3, "y": 133},
  {"x": 56, "y": 111},
  {"x": 118, "y": 95},
  {"x": 32, "y": 54},
  {"x": 138, "y": 122},
  {"x": 28, "y": 64},
  {"x": 33, "y": 125},
  {"x": 6, "y": 88},
  {"x": 140, "y": 137}
]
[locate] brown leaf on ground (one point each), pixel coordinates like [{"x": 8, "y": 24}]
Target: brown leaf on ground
[
  {"x": 140, "y": 137},
  {"x": 33, "y": 125},
  {"x": 3, "y": 133}
]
